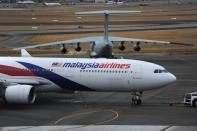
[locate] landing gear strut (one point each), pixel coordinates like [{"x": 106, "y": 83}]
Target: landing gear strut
[{"x": 136, "y": 98}]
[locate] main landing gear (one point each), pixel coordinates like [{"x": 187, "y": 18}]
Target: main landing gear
[{"x": 136, "y": 98}]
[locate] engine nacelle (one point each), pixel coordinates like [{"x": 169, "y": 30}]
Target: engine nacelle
[
  {"x": 121, "y": 46},
  {"x": 20, "y": 94},
  {"x": 78, "y": 48},
  {"x": 63, "y": 50},
  {"x": 137, "y": 47}
]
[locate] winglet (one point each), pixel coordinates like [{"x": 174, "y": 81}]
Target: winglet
[{"x": 24, "y": 53}]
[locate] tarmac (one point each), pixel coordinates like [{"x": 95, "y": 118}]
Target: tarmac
[
  {"x": 161, "y": 108},
  {"x": 165, "y": 26}
]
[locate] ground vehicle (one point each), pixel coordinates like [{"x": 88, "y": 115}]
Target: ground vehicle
[{"x": 190, "y": 99}]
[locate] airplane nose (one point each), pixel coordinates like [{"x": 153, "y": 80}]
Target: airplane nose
[{"x": 172, "y": 78}]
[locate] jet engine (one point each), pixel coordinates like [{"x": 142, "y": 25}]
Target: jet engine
[
  {"x": 121, "y": 46},
  {"x": 63, "y": 49},
  {"x": 78, "y": 48},
  {"x": 20, "y": 94},
  {"x": 137, "y": 47}
]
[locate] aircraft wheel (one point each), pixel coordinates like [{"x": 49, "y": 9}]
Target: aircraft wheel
[
  {"x": 194, "y": 103},
  {"x": 139, "y": 102},
  {"x": 136, "y": 100}
]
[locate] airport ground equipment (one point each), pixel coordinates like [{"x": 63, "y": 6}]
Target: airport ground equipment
[{"x": 190, "y": 99}]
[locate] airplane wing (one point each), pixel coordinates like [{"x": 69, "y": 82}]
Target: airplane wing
[
  {"x": 123, "y": 39},
  {"x": 20, "y": 80},
  {"x": 145, "y": 41},
  {"x": 92, "y": 39},
  {"x": 72, "y": 41}
]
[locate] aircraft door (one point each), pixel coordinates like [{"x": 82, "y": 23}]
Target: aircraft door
[{"x": 137, "y": 72}]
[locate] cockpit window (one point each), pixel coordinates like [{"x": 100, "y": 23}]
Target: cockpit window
[
  {"x": 160, "y": 71},
  {"x": 156, "y": 71},
  {"x": 165, "y": 71}
]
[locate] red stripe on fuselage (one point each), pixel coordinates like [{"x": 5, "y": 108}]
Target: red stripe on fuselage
[{"x": 13, "y": 71}]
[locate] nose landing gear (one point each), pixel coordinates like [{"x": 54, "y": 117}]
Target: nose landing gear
[{"x": 136, "y": 98}]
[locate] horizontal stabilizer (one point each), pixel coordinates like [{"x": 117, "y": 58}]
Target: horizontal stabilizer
[{"x": 106, "y": 12}]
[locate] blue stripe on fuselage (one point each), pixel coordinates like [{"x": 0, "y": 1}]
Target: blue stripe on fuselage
[{"x": 55, "y": 78}]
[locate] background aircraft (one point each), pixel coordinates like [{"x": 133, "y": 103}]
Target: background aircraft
[
  {"x": 101, "y": 46},
  {"x": 22, "y": 77},
  {"x": 51, "y": 4},
  {"x": 115, "y": 2}
]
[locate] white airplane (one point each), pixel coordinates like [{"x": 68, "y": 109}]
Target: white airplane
[
  {"x": 52, "y": 4},
  {"x": 110, "y": 2},
  {"x": 25, "y": 2},
  {"x": 22, "y": 77},
  {"x": 101, "y": 46}
]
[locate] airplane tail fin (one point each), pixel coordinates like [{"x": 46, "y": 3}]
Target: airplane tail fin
[
  {"x": 24, "y": 53},
  {"x": 106, "y": 13}
]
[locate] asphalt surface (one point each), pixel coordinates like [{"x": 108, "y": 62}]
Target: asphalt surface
[
  {"x": 87, "y": 108},
  {"x": 98, "y": 30},
  {"x": 164, "y": 22}
]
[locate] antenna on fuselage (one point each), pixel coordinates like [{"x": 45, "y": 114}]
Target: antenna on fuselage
[{"x": 106, "y": 13}]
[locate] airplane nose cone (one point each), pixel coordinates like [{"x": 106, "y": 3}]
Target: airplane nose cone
[{"x": 172, "y": 78}]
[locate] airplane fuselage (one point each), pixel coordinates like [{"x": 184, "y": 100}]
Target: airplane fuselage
[
  {"x": 101, "y": 49},
  {"x": 50, "y": 74}
]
